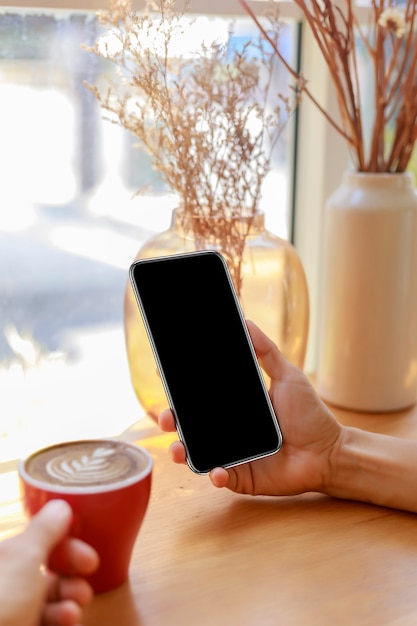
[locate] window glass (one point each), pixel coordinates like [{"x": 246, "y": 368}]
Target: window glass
[{"x": 70, "y": 224}]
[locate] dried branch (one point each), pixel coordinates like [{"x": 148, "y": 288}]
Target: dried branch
[
  {"x": 391, "y": 44},
  {"x": 209, "y": 120}
]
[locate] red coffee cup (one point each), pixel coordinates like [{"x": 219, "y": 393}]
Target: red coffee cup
[{"x": 107, "y": 483}]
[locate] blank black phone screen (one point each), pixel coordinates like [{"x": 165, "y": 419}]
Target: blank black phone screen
[{"x": 213, "y": 382}]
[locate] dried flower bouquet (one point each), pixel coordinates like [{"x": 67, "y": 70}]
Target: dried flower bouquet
[
  {"x": 205, "y": 118},
  {"x": 389, "y": 40}
]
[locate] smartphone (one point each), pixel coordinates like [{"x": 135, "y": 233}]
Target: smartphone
[{"x": 206, "y": 359}]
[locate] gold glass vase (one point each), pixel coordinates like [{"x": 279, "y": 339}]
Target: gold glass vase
[{"x": 269, "y": 279}]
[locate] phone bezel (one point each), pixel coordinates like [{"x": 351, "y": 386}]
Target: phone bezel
[{"x": 164, "y": 380}]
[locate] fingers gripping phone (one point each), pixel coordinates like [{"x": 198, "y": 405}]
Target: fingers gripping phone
[{"x": 206, "y": 360}]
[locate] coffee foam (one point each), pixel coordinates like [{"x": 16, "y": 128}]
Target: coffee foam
[{"x": 87, "y": 464}]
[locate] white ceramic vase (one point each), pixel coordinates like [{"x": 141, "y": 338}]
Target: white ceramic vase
[{"x": 368, "y": 321}]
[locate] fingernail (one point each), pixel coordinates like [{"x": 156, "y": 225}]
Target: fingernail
[{"x": 58, "y": 508}]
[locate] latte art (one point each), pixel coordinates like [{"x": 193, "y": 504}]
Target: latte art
[
  {"x": 102, "y": 465},
  {"x": 86, "y": 463}
]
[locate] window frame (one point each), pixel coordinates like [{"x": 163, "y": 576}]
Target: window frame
[{"x": 208, "y": 7}]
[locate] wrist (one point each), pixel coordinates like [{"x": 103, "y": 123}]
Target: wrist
[
  {"x": 373, "y": 468},
  {"x": 344, "y": 468}
]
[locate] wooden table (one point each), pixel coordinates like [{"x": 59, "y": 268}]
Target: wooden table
[{"x": 206, "y": 557}]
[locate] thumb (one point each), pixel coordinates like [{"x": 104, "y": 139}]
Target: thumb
[
  {"x": 270, "y": 358},
  {"x": 49, "y": 526}
]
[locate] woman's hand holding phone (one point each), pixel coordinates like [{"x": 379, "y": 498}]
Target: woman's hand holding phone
[
  {"x": 318, "y": 453},
  {"x": 310, "y": 433}
]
